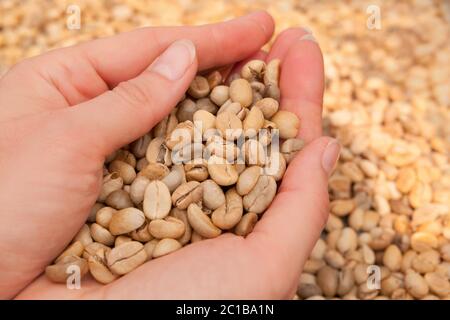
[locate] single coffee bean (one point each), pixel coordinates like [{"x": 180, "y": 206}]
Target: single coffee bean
[
  {"x": 214, "y": 79},
  {"x": 141, "y": 164},
  {"x": 186, "y": 110},
  {"x": 272, "y": 91},
  {"x": 175, "y": 178},
  {"x": 246, "y": 225},
  {"x": 254, "y": 152},
  {"x": 75, "y": 249},
  {"x": 253, "y": 70},
  {"x": 187, "y": 193},
  {"x": 206, "y": 104},
  {"x": 155, "y": 171},
  {"x": 169, "y": 227},
  {"x": 222, "y": 148},
  {"x": 276, "y": 166},
  {"x": 290, "y": 147},
  {"x": 111, "y": 182},
  {"x": 92, "y": 248},
  {"x": 93, "y": 212},
  {"x": 220, "y": 94},
  {"x": 196, "y": 170},
  {"x": 268, "y": 107},
  {"x": 229, "y": 125},
  {"x": 213, "y": 196},
  {"x": 101, "y": 235},
  {"x": 234, "y": 108},
  {"x": 126, "y": 220},
  {"x": 268, "y": 133},
  {"x": 126, "y": 257},
  {"x": 229, "y": 214},
  {"x": 196, "y": 237},
  {"x": 127, "y": 157},
  {"x": 222, "y": 172},
  {"x": 253, "y": 122},
  {"x": 142, "y": 233},
  {"x": 60, "y": 271},
  {"x": 247, "y": 180},
  {"x": 84, "y": 236},
  {"x": 287, "y": 122},
  {"x": 182, "y": 215},
  {"x": 262, "y": 194},
  {"x": 119, "y": 199},
  {"x": 241, "y": 91},
  {"x": 158, "y": 152},
  {"x": 121, "y": 239},
  {"x": 327, "y": 279},
  {"x": 104, "y": 216},
  {"x": 139, "y": 146},
  {"x": 157, "y": 201},
  {"x": 188, "y": 152},
  {"x": 204, "y": 120},
  {"x": 272, "y": 73},
  {"x": 98, "y": 268},
  {"x": 181, "y": 135},
  {"x": 137, "y": 189},
  {"x": 199, "y": 87},
  {"x": 201, "y": 223},
  {"x": 124, "y": 170},
  {"x": 149, "y": 247},
  {"x": 165, "y": 246},
  {"x": 166, "y": 125}
]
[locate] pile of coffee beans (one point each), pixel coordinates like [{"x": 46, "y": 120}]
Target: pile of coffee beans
[{"x": 211, "y": 166}]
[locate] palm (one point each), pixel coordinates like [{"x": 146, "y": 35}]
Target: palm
[{"x": 62, "y": 198}]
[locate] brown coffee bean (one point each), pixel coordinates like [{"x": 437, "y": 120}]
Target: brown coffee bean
[
  {"x": 201, "y": 223},
  {"x": 165, "y": 246},
  {"x": 186, "y": 110},
  {"x": 246, "y": 225},
  {"x": 262, "y": 194},
  {"x": 199, "y": 87},
  {"x": 60, "y": 271},
  {"x": 98, "y": 268},
  {"x": 126, "y": 257},
  {"x": 187, "y": 193},
  {"x": 111, "y": 182},
  {"x": 119, "y": 199},
  {"x": 126, "y": 220},
  {"x": 101, "y": 235},
  {"x": 182, "y": 215},
  {"x": 158, "y": 152},
  {"x": 124, "y": 170},
  {"x": 169, "y": 227},
  {"x": 196, "y": 170}
]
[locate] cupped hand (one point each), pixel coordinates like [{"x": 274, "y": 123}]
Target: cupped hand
[{"x": 60, "y": 115}]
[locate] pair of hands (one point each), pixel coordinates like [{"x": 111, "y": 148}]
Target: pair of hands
[{"x": 61, "y": 113}]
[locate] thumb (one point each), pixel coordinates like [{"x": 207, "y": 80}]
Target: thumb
[
  {"x": 133, "y": 107},
  {"x": 299, "y": 212}
]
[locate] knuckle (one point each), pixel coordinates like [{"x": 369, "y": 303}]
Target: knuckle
[{"x": 134, "y": 94}]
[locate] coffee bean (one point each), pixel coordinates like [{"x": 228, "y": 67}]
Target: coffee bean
[
  {"x": 272, "y": 72},
  {"x": 158, "y": 152},
  {"x": 101, "y": 235},
  {"x": 157, "y": 200},
  {"x": 126, "y": 220},
  {"x": 196, "y": 170},
  {"x": 126, "y": 257},
  {"x": 213, "y": 196},
  {"x": 229, "y": 125},
  {"x": 246, "y": 225},
  {"x": 165, "y": 246},
  {"x": 124, "y": 170},
  {"x": 182, "y": 215},
  {"x": 290, "y": 147},
  {"x": 104, "y": 216},
  {"x": 199, "y": 87},
  {"x": 287, "y": 122},
  {"x": 84, "y": 235},
  {"x": 187, "y": 193},
  {"x": 98, "y": 268},
  {"x": 222, "y": 172},
  {"x": 201, "y": 223},
  {"x": 75, "y": 249},
  {"x": 253, "y": 122},
  {"x": 119, "y": 199},
  {"x": 111, "y": 182},
  {"x": 253, "y": 70},
  {"x": 248, "y": 179},
  {"x": 186, "y": 110},
  {"x": 241, "y": 91},
  {"x": 262, "y": 194},
  {"x": 60, "y": 271},
  {"x": 169, "y": 227},
  {"x": 219, "y": 95},
  {"x": 229, "y": 214},
  {"x": 137, "y": 189}
]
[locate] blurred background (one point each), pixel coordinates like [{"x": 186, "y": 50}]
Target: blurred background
[{"x": 387, "y": 100}]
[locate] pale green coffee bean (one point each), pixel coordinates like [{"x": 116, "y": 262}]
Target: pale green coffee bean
[
  {"x": 213, "y": 196},
  {"x": 175, "y": 178},
  {"x": 59, "y": 272},
  {"x": 253, "y": 70},
  {"x": 126, "y": 257},
  {"x": 290, "y": 147},
  {"x": 101, "y": 235},
  {"x": 288, "y": 124},
  {"x": 241, "y": 91},
  {"x": 204, "y": 120},
  {"x": 139, "y": 146},
  {"x": 272, "y": 73},
  {"x": 229, "y": 214},
  {"x": 201, "y": 223},
  {"x": 165, "y": 246},
  {"x": 169, "y": 227},
  {"x": 187, "y": 193},
  {"x": 111, "y": 183},
  {"x": 155, "y": 171},
  {"x": 222, "y": 172},
  {"x": 220, "y": 94},
  {"x": 268, "y": 106},
  {"x": 157, "y": 200},
  {"x": 119, "y": 199},
  {"x": 126, "y": 220},
  {"x": 229, "y": 125},
  {"x": 104, "y": 216},
  {"x": 182, "y": 215},
  {"x": 246, "y": 224},
  {"x": 186, "y": 110},
  {"x": 137, "y": 189},
  {"x": 196, "y": 170},
  {"x": 83, "y": 235},
  {"x": 75, "y": 249},
  {"x": 262, "y": 194},
  {"x": 158, "y": 152},
  {"x": 98, "y": 268},
  {"x": 248, "y": 179},
  {"x": 199, "y": 87},
  {"x": 253, "y": 122},
  {"x": 124, "y": 170}
]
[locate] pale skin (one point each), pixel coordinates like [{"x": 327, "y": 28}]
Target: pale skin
[{"x": 60, "y": 115}]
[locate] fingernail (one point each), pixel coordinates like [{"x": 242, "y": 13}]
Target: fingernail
[
  {"x": 173, "y": 63},
  {"x": 307, "y": 30},
  {"x": 308, "y": 37},
  {"x": 330, "y": 156}
]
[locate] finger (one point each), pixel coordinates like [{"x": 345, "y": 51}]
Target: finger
[
  {"x": 86, "y": 70},
  {"x": 284, "y": 41},
  {"x": 302, "y": 85},
  {"x": 127, "y": 112},
  {"x": 260, "y": 55},
  {"x": 294, "y": 221}
]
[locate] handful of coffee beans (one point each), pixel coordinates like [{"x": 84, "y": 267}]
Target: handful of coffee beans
[{"x": 211, "y": 166}]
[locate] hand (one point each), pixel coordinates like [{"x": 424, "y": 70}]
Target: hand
[{"x": 63, "y": 112}]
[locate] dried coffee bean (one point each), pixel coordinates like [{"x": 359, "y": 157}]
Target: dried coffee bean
[
  {"x": 219, "y": 95},
  {"x": 201, "y": 223},
  {"x": 253, "y": 70},
  {"x": 290, "y": 147},
  {"x": 104, "y": 216},
  {"x": 187, "y": 193},
  {"x": 222, "y": 172},
  {"x": 165, "y": 246},
  {"x": 98, "y": 268},
  {"x": 111, "y": 183},
  {"x": 175, "y": 178},
  {"x": 126, "y": 220},
  {"x": 101, "y": 235},
  {"x": 287, "y": 122},
  {"x": 126, "y": 257},
  {"x": 272, "y": 73},
  {"x": 207, "y": 105},
  {"x": 186, "y": 110},
  {"x": 155, "y": 171},
  {"x": 196, "y": 170},
  {"x": 60, "y": 271},
  {"x": 137, "y": 189},
  {"x": 157, "y": 200},
  {"x": 229, "y": 125},
  {"x": 199, "y": 87},
  {"x": 182, "y": 215},
  {"x": 124, "y": 170},
  {"x": 248, "y": 179},
  {"x": 166, "y": 125},
  {"x": 139, "y": 147},
  {"x": 229, "y": 214},
  {"x": 246, "y": 225},
  {"x": 119, "y": 199},
  {"x": 213, "y": 196},
  {"x": 84, "y": 236},
  {"x": 262, "y": 194},
  {"x": 253, "y": 122},
  {"x": 169, "y": 227},
  {"x": 75, "y": 249},
  {"x": 158, "y": 152}
]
